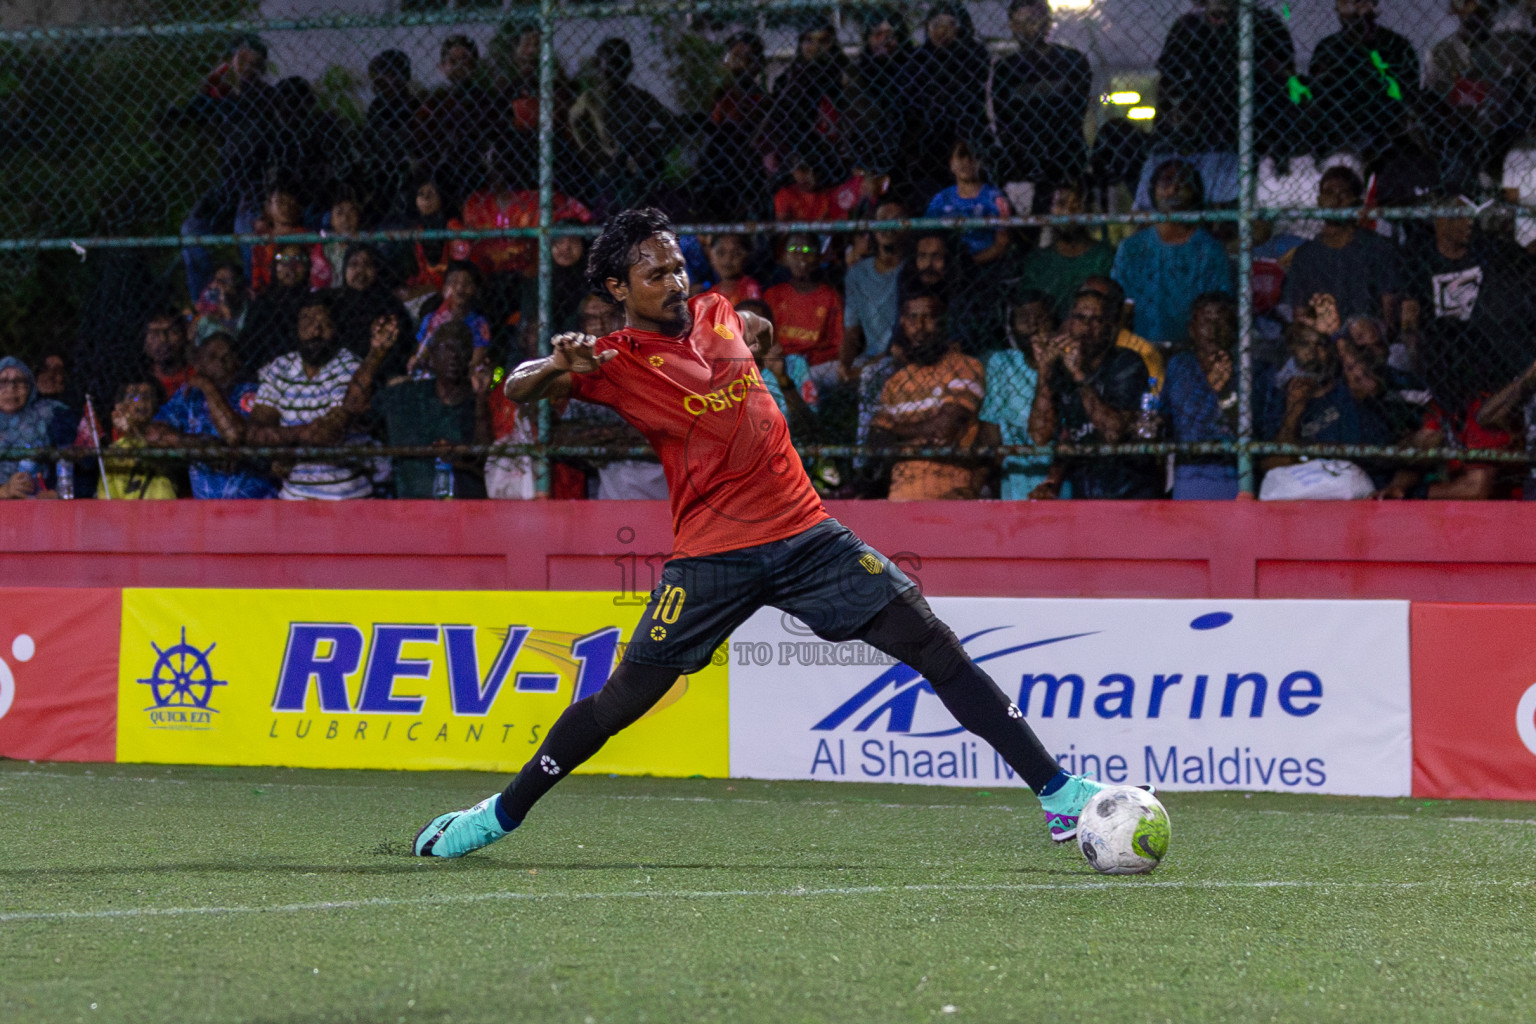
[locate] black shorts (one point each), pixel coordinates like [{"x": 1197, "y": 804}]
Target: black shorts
[{"x": 826, "y": 577}]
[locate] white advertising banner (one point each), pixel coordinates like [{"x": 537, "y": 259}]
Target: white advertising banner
[{"x": 1291, "y": 696}]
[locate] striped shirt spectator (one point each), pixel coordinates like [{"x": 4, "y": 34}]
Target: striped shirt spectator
[{"x": 301, "y": 399}]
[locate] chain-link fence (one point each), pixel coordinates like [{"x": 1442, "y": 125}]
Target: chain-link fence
[{"x": 1110, "y": 248}]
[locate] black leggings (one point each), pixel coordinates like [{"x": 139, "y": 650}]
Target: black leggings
[{"x": 906, "y": 628}]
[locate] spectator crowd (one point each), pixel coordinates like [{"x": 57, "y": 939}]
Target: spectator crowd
[{"x": 1382, "y": 333}]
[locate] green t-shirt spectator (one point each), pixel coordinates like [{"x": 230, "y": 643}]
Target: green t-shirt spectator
[
  {"x": 1046, "y": 270},
  {"x": 413, "y": 415}
]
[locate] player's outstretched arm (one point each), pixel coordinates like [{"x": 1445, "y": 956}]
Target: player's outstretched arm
[{"x": 550, "y": 377}]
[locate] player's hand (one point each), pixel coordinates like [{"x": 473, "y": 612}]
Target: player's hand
[
  {"x": 758, "y": 331},
  {"x": 386, "y": 330},
  {"x": 573, "y": 351}
]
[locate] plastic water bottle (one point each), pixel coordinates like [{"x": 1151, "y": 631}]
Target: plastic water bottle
[
  {"x": 1148, "y": 422},
  {"x": 442, "y": 480},
  {"x": 64, "y": 479}
]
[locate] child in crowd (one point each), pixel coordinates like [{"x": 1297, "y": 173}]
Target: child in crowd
[
  {"x": 283, "y": 214},
  {"x": 461, "y": 284},
  {"x": 971, "y": 196},
  {"x": 328, "y": 260},
  {"x": 128, "y": 477},
  {"x": 429, "y": 211},
  {"x": 807, "y": 312},
  {"x": 728, "y": 260}
]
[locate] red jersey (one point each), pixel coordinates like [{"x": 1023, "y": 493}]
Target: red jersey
[
  {"x": 836, "y": 203},
  {"x": 733, "y": 477},
  {"x": 518, "y": 209},
  {"x": 809, "y": 323}
]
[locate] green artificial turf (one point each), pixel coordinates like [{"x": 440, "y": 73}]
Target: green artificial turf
[{"x": 133, "y": 893}]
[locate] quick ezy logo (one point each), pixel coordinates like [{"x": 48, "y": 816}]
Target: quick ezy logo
[
  {"x": 1525, "y": 718},
  {"x": 22, "y": 649}
]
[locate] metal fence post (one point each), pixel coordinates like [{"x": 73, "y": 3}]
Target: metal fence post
[
  {"x": 546, "y": 210},
  {"x": 1245, "y": 197}
]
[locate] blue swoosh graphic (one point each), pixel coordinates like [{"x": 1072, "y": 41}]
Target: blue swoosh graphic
[{"x": 900, "y": 674}]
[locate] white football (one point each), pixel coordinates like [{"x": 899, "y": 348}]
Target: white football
[{"x": 1123, "y": 831}]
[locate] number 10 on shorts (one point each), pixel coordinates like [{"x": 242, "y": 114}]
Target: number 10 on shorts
[{"x": 670, "y": 606}]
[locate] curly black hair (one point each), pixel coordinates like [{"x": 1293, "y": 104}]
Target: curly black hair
[{"x": 614, "y": 252}]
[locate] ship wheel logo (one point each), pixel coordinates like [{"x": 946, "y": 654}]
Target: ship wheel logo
[{"x": 182, "y": 677}]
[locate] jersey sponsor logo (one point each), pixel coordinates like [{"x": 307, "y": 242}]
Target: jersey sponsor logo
[
  {"x": 894, "y": 694},
  {"x": 725, "y": 332},
  {"x": 872, "y": 564},
  {"x": 721, "y": 399}
]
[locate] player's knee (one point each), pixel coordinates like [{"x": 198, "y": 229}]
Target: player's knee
[
  {"x": 631, "y": 692},
  {"x": 942, "y": 655}
]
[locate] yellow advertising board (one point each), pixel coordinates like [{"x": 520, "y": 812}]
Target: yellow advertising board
[{"x": 391, "y": 679}]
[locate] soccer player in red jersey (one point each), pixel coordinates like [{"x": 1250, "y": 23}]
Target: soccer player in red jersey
[{"x": 749, "y": 530}]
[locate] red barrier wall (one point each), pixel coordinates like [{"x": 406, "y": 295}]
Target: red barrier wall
[
  {"x": 1474, "y": 701},
  {"x": 1422, "y": 551}
]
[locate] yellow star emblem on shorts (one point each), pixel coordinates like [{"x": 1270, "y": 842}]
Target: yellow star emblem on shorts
[
  {"x": 656, "y": 360},
  {"x": 658, "y": 633},
  {"x": 724, "y": 332}
]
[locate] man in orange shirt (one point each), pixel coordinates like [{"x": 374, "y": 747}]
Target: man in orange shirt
[
  {"x": 932, "y": 399},
  {"x": 749, "y": 530}
]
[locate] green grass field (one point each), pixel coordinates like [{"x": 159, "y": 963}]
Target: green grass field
[{"x": 201, "y": 894}]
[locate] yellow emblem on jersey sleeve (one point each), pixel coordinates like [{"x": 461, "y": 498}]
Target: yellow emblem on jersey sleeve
[
  {"x": 872, "y": 564},
  {"x": 656, "y": 360},
  {"x": 725, "y": 332}
]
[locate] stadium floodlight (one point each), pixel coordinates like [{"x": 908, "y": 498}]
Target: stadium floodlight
[
  {"x": 1122, "y": 98},
  {"x": 1141, "y": 113}
]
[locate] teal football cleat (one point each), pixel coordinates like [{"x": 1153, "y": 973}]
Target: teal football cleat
[
  {"x": 1063, "y": 807},
  {"x": 459, "y": 832}
]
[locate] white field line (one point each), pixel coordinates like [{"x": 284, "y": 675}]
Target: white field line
[
  {"x": 652, "y": 798},
  {"x": 708, "y": 894}
]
